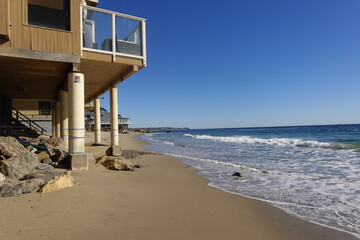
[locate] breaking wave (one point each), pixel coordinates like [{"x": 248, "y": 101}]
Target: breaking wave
[{"x": 282, "y": 142}]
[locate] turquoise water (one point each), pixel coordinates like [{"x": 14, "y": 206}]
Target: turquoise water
[{"x": 312, "y": 172}]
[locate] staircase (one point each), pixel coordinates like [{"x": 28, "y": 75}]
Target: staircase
[{"x": 22, "y": 122}]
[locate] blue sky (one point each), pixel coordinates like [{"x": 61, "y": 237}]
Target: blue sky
[{"x": 244, "y": 63}]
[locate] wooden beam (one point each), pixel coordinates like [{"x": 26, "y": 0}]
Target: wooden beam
[
  {"x": 39, "y": 55},
  {"x": 130, "y": 71}
]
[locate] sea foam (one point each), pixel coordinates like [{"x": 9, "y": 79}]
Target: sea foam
[{"x": 282, "y": 142}]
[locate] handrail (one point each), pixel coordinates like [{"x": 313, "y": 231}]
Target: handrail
[
  {"x": 112, "y": 12},
  {"x": 30, "y": 122}
]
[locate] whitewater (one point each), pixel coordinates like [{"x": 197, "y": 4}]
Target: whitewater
[{"x": 311, "y": 172}]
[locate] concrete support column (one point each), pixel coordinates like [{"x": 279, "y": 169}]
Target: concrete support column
[
  {"x": 53, "y": 125},
  {"x": 57, "y": 119},
  {"x": 64, "y": 117},
  {"x": 97, "y": 125},
  {"x": 114, "y": 120},
  {"x": 77, "y": 121}
]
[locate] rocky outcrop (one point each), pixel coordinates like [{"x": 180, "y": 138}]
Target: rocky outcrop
[
  {"x": 10, "y": 147},
  {"x": 59, "y": 182},
  {"x": 18, "y": 166},
  {"x": 140, "y": 130},
  {"x": 115, "y": 163},
  {"x": 26, "y": 186}
]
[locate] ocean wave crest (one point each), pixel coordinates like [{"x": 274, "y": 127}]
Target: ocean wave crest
[{"x": 282, "y": 142}]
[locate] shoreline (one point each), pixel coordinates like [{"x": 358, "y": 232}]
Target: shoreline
[
  {"x": 195, "y": 171},
  {"x": 162, "y": 200}
]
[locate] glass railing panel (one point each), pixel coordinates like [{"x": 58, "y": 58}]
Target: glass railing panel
[
  {"x": 128, "y": 33},
  {"x": 97, "y": 30}
]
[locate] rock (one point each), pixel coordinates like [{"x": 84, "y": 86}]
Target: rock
[
  {"x": 47, "y": 160},
  {"x": 59, "y": 182},
  {"x": 10, "y": 147},
  {"x": 139, "y": 130},
  {"x": 46, "y": 175},
  {"x": 137, "y": 166},
  {"x": 54, "y": 143},
  {"x": 31, "y": 148},
  {"x": 115, "y": 163},
  {"x": 27, "y": 186},
  {"x": 2, "y": 177},
  {"x": 20, "y": 165},
  {"x": 30, "y": 140},
  {"x": 124, "y": 131},
  {"x": 237, "y": 174},
  {"x": 42, "y": 155},
  {"x": 44, "y": 166},
  {"x": 58, "y": 155},
  {"x": 264, "y": 171}
]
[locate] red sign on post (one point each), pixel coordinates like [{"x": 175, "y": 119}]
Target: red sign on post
[{"x": 77, "y": 79}]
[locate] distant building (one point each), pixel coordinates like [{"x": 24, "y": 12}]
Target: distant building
[{"x": 105, "y": 120}]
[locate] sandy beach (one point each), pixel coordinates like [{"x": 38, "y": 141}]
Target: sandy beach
[{"x": 163, "y": 199}]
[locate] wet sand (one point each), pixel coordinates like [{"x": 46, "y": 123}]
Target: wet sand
[{"x": 161, "y": 200}]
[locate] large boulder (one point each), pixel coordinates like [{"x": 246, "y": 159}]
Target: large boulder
[
  {"x": 59, "y": 182},
  {"x": 10, "y": 147},
  {"x": 115, "y": 163},
  {"x": 27, "y": 186},
  {"x": 18, "y": 166}
]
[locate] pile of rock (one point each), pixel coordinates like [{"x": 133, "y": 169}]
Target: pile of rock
[
  {"x": 140, "y": 130},
  {"x": 18, "y": 165}
]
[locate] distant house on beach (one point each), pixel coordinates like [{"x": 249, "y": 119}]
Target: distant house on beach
[
  {"x": 58, "y": 55},
  {"x": 105, "y": 120}
]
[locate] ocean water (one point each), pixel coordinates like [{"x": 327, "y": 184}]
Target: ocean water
[{"x": 312, "y": 172}]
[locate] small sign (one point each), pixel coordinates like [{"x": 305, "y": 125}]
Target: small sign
[{"x": 77, "y": 79}]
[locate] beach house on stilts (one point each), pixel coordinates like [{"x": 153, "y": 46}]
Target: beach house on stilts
[{"x": 61, "y": 54}]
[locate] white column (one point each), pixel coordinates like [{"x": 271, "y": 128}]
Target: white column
[
  {"x": 64, "y": 117},
  {"x": 97, "y": 125},
  {"x": 53, "y": 119},
  {"x": 114, "y": 121},
  {"x": 76, "y": 113},
  {"x": 57, "y": 119}
]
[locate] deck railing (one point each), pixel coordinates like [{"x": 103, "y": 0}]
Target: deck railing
[{"x": 113, "y": 33}]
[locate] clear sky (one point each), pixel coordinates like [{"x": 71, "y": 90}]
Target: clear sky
[{"x": 244, "y": 63}]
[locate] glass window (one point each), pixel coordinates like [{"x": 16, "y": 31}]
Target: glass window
[
  {"x": 50, "y": 14},
  {"x": 128, "y": 36},
  {"x": 97, "y": 30}
]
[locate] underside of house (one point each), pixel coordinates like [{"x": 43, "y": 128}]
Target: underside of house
[{"x": 58, "y": 55}]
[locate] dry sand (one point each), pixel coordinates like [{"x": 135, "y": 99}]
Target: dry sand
[{"x": 162, "y": 200}]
